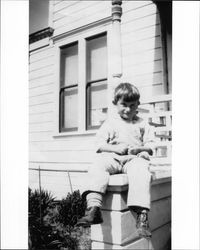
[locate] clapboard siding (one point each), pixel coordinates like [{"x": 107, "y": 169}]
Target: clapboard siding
[
  {"x": 47, "y": 136},
  {"x": 71, "y": 142},
  {"x": 41, "y": 98},
  {"x": 39, "y": 118},
  {"x": 41, "y": 72},
  {"x": 46, "y": 126},
  {"x": 144, "y": 57},
  {"x": 57, "y": 182},
  {"x": 55, "y": 2},
  {"x": 151, "y": 90},
  {"x": 71, "y": 13},
  {"x": 141, "y": 46},
  {"x": 59, "y": 166},
  {"x": 128, "y": 5},
  {"x": 79, "y": 14},
  {"x": 76, "y": 156},
  {"x": 35, "y": 83},
  {"x": 40, "y": 136},
  {"x": 42, "y": 90},
  {"x": 145, "y": 68},
  {"x": 41, "y": 63},
  {"x": 63, "y": 5},
  {"x": 142, "y": 52},
  {"x": 140, "y": 24},
  {"x": 55, "y": 145},
  {"x": 45, "y": 107},
  {"x": 142, "y": 34},
  {"x": 139, "y": 13},
  {"x": 41, "y": 54},
  {"x": 147, "y": 79}
]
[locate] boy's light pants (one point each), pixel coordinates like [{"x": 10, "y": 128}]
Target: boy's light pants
[{"x": 137, "y": 170}]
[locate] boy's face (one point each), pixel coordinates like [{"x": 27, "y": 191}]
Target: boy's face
[{"x": 127, "y": 110}]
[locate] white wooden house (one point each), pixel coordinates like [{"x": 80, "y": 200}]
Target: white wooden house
[{"x": 76, "y": 59}]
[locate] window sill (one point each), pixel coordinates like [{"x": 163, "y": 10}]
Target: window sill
[{"x": 76, "y": 133}]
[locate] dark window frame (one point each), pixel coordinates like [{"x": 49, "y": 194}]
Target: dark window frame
[
  {"x": 88, "y": 103},
  {"x": 62, "y": 128},
  {"x": 89, "y": 84}
]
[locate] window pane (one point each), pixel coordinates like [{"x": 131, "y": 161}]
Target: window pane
[
  {"x": 69, "y": 66},
  {"x": 97, "y": 106},
  {"x": 97, "y": 58},
  {"x": 70, "y": 108}
]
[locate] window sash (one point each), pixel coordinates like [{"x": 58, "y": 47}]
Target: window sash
[
  {"x": 101, "y": 83},
  {"x": 83, "y": 118},
  {"x": 69, "y": 65},
  {"x": 96, "y": 51},
  {"x": 63, "y": 115}
]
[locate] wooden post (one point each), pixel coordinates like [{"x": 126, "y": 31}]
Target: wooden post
[
  {"x": 116, "y": 38},
  {"x": 116, "y": 53}
]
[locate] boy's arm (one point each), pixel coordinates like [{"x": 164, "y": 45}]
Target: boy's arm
[
  {"x": 105, "y": 141},
  {"x": 121, "y": 149},
  {"x": 148, "y": 141},
  {"x": 137, "y": 150}
]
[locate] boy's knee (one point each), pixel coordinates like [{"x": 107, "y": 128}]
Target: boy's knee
[
  {"x": 137, "y": 164},
  {"x": 103, "y": 161}
]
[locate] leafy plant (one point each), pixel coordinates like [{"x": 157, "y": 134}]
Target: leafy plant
[
  {"x": 71, "y": 209},
  {"x": 52, "y": 224},
  {"x": 40, "y": 232}
]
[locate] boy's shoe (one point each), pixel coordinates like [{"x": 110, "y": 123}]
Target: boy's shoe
[
  {"x": 143, "y": 224},
  {"x": 92, "y": 216}
]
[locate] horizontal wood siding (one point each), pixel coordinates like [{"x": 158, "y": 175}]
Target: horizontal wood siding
[
  {"x": 69, "y": 15},
  {"x": 142, "y": 64},
  {"x": 45, "y": 151},
  {"x": 142, "y": 52},
  {"x": 59, "y": 183}
]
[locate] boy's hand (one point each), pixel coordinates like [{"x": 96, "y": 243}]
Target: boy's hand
[
  {"x": 112, "y": 137},
  {"x": 121, "y": 148},
  {"x": 144, "y": 155},
  {"x": 132, "y": 151}
]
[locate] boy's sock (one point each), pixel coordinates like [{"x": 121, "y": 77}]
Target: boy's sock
[{"x": 94, "y": 199}]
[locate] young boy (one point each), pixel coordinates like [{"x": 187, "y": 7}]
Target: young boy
[{"x": 124, "y": 144}]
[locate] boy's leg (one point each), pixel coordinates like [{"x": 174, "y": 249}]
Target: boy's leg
[
  {"x": 139, "y": 182},
  {"x": 139, "y": 192},
  {"x": 99, "y": 172},
  {"x": 98, "y": 178}
]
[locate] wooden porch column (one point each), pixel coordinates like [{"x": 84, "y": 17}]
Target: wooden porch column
[
  {"x": 116, "y": 39},
  {"x": 116, "y": 54}
]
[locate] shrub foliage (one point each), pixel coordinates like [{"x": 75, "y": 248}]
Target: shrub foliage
[{"x": 52, "y": 223}]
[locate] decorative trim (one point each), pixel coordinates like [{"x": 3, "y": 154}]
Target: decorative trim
[
  {"x": 41, "y": 34},
  {"x": 116, "y": 10},
  {"x": 82, "y": 28}
]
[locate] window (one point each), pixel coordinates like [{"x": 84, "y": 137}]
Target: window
[
  {"x": 82, "y": 96},
  {"x": 96, "y": 80},
  {"x": 69, "y": 88}
]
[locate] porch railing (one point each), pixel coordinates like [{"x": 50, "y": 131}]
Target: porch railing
[{"x": 158, "y": 110}]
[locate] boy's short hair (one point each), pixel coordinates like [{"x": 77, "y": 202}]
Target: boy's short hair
[{"x": 126, "y": 91}]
